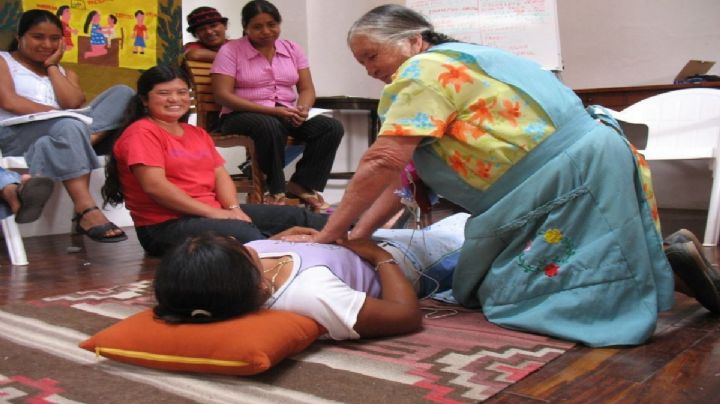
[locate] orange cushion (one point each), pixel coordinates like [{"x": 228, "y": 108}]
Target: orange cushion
[{"x": 243, "y": 346}]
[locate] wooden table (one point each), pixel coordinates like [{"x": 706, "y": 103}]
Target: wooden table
[
  {"x": 618, "y": 98},
  {"x": 353, "y": 103}
]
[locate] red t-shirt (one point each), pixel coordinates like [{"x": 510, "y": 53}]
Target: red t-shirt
[{"x": 189, "y": 162}]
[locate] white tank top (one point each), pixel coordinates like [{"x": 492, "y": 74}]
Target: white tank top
[{"x": 29, "y": 85}]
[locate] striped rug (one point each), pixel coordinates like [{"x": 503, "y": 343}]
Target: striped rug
[{"x": 458, "y": 357}]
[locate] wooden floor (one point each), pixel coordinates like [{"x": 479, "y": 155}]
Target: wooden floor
[{"x": 681, "y": 364}]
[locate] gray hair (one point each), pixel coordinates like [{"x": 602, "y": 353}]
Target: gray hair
[{"x": 394, "y": 23}]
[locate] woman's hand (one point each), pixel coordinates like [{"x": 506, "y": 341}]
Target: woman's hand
[
  {"x": 293, "y": 116},
  {"x": 55, "y": 58},
  {"x": 234, "y": 214},
  {"x": 366, "y": 249},
  {"x": 297, "y": 234},
  {"x": 319, "y": 237}
]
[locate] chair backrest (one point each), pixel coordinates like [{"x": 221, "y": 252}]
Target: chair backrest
[
  {"x": 683, "y": 124},
  {"x": 204, "y": 105},
  {"x": 208, "y": 112}
]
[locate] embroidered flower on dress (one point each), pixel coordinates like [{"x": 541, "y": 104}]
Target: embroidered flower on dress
[
  {"x": 553, "y": 236},
  {"x": 548, "y": 257}
]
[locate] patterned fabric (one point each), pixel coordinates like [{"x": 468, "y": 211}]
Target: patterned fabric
[
  {"x": 96, "y": 35},
  {"x": 256, "y": 79},
  {"x": 458, "y": 357},
  {"x": 564, "y": 242},
  {"x": 482, "y": 125}
]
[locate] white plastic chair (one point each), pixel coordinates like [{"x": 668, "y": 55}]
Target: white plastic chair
[
  {"x": 13, "y": 238},
  {"x": 684, "y": 125}
]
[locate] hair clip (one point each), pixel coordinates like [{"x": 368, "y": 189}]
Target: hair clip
[{"x": 200, "y": 312}]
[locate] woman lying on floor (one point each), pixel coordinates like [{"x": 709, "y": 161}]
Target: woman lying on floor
[{"x": 356, "y": 289}]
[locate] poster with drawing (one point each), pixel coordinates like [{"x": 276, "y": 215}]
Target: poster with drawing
[{"x": 117, "y": 33}]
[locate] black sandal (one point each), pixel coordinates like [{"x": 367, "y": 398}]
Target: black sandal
[
  {"x": 97, "y": 233},
  {"x": 32, "y": 195}
]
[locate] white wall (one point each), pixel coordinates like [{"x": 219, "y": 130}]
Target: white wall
[
  {"x": 611, "y": 43},
  {"x": 618, "y": 43}
]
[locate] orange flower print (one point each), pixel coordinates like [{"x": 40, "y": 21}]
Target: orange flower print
[
  {"x": 511, "y": 111},
  {"x": 397, "y": 130},
  {"x": 455, "y": 76},
  {"x": 483, "y": 169},
  {"x": 457, "y": 162},
  {"x": 481, "y": 111},
  {"x": 460, "y": 129},
  {"x": 457, "y": 130},
  {"x": 440, "y": 126}
]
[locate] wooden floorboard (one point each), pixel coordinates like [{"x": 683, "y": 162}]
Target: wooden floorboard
[{"x": 680, "y": 364}]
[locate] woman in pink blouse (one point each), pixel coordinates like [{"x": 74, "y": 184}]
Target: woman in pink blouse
[{"x": 255, "y": 79}]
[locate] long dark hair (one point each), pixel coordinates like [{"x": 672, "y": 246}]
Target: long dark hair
[
  {"x": 392, "y": 22},
  {"x": 30, "y": 19},
  {"x": 88, "y": 20},
  {"x": 256, "y": 7},
  {"x": 207, "y": 278},
  {"x": 61, "y": 10},
  {"x": 112, "y": 191}
]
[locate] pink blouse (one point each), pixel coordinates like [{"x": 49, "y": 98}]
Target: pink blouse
[{"x": 258, "y": 80}]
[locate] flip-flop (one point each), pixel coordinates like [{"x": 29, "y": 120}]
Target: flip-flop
[
  {"x": 314, "y": 201},
  {"x": 33, "y": 194}
]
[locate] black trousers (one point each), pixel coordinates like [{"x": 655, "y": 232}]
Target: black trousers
[
  {"x": 321, "y": 136},
  {"x": 267, "y": 220}
]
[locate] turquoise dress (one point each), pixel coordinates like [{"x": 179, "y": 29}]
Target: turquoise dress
[{"x": 564, "y": 242}]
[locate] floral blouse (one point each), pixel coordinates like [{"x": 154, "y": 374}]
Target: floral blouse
[{"x": 481, "y": 125}]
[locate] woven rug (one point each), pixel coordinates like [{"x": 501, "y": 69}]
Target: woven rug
[{"x": 457, "y": 357}]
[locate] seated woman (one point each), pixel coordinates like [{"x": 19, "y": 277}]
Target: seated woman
[
  {"x": 172, "y": 178},
  {"x": 353, "y": 292},
  {"x": 23, "y": 196},
  {"x": 59, "y": 148},
  {"x": 209, "y": 27},
  {"x": 253, "y": 79}
]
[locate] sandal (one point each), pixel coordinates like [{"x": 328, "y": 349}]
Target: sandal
[
  {"x": 313, "y": 201},
  {"x": 33, "y": 194},
  {"x": 97, "y": 233},
  {"x": 274, "y": 199}
]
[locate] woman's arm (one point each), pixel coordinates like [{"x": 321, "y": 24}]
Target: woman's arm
[
  {"x": 154, "y": 183},
  {"x": 226, "y": 193},
  {"x": 379, "y": 168},
  {"x": 382, "y": 210},
  {"x": 306, "y": 96},
  {"x": 396, "y": 311},
  {"x": 201, "y": 55},
  {"x": 223, "y": 88},
  {"x": 17, "y": 104},
  {"x": 66, "y": 86}
]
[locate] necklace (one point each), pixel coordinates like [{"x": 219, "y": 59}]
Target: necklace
[{"x": 277, "y": 267}]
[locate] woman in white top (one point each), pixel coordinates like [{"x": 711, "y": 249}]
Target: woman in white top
[{"x": 61, "y": 148}]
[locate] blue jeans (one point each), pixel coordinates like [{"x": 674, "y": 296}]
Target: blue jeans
[
  {"x": 267, "y": 220},
  {"x": 7, "y": 177}
]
